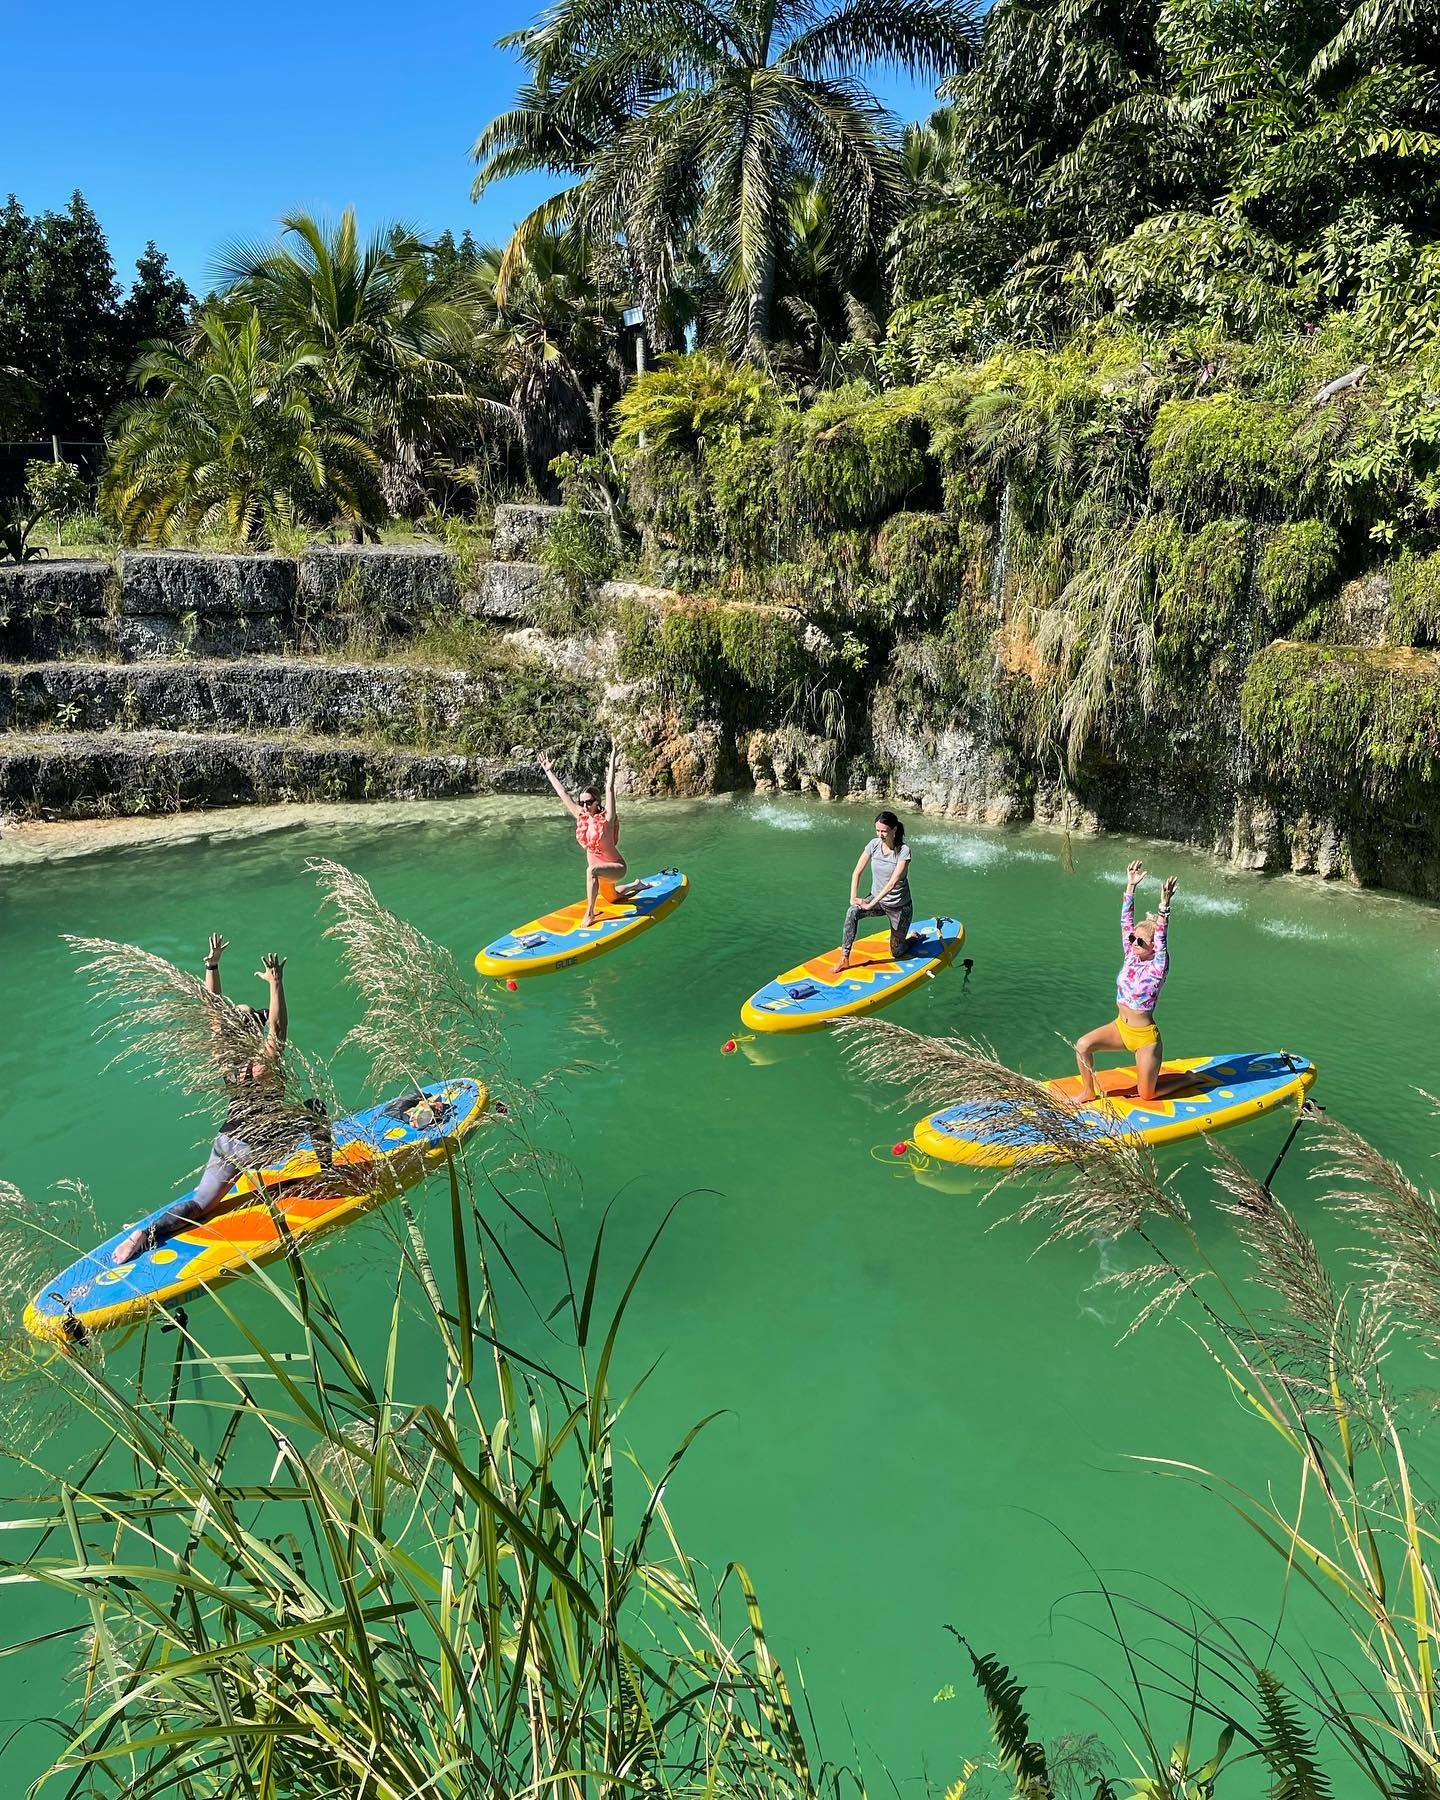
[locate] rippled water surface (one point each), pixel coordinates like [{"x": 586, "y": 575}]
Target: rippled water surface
[{"x": 922, "y": 1422}]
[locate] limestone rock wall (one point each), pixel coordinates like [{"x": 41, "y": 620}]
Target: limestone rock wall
[
  {"x": 173, "y": 603},
  {"x": 329, "y": 699},
  {"x": 89, "y": 777}
]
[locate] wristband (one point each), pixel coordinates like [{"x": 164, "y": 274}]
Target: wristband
[{"x": 210, "y": 965}]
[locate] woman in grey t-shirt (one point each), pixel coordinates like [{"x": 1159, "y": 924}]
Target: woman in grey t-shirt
[{"x": 889, "y": 858}]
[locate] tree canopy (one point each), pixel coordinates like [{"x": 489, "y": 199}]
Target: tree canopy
[
  {"x": 65, "y": 330},
  {"x": 683, "y": 120}
]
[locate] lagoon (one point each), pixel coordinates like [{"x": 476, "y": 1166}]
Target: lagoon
[{"x": 922, "y": 1422}]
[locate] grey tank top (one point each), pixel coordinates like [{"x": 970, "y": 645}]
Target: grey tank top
[{"x": 882, "y": 867}]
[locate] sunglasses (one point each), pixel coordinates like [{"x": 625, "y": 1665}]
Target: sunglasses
[
  {"x": 1132, "y": 937},
  {"x": 588, "y": 800}
]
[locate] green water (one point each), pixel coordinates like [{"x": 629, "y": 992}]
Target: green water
[{"x": 913, "y": 1406}]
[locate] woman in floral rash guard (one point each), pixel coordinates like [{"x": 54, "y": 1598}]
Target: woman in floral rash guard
[{"x": 1146, "y": 963}]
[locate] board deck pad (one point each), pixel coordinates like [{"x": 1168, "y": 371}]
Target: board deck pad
[
  {"x": 376, "y": 1154},
  {"x": 555, "y": 940},
  {"x": 814, "y": 993},
  {"x": 1197, "y": 1094}
]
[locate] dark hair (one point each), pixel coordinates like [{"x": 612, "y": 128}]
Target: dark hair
[{"x": 888, "y": 818}]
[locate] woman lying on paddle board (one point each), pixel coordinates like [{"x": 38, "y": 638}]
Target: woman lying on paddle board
[
  {"x": 597, "y": 831},
  {"x": 889, "y": 858},
  {"x": 1142, "y": 974},
  {"x": 245, "y": 1083}
]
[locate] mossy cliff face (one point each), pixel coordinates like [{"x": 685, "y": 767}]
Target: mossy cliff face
[
  {"x": 1072, "y": 586},
  {"x": 949, "y": 662}
]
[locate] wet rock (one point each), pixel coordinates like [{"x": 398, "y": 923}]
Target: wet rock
[{"x": 1362, "y": 610}]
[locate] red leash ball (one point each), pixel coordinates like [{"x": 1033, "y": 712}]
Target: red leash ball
[
  {"x": 727, "y": 1046},
  {"x": 898, "y": 1149}
]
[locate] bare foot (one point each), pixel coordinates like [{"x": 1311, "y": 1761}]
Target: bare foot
[
  {"x": 132, "y": 1246},
  {"x": 841, "y": 966},
  {"x": 586, "y": 922},
  {"x": 1077, "y": 1100}
]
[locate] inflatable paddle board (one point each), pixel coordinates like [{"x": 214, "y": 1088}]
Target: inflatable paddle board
[
  {"x": 813, "y": 993},
  {"x": 555, "y": 940},
  {"x": 374, "y": 1155},
  {"x": 1197, "y": 1094}
]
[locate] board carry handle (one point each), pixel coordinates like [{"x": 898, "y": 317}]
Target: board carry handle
[{"x": 71, "y": 1328}]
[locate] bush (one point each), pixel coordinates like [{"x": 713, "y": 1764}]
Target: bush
[
  {"x": 58, "y": 491},
  {"x": 931, "y": 565},
  {"x": 1201, "y": 582},
  {"x": 1224, "y": 455},
  {"x": 688, "y": 401},
  {"x": 580, "y": 548},
  {"x": 744, "y": 660},
  {"x": 851, "y": 459}
]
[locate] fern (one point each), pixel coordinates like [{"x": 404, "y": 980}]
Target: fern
[
  {"x": 1010, "y": 1724},
  {"x": 1288, "y": 1749}
]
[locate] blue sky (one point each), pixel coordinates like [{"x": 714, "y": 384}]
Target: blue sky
[{"x": 196, "y": 124}]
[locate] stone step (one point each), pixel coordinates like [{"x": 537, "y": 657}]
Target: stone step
[
  {"x": 166, "y": 603},
  {"x": 511, "y": 592},
  {"x": 92, "y": 775},
  {"x": 260, "y": 694}
]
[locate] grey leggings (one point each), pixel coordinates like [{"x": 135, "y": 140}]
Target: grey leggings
[
  {"x": 897, "y": 915},
  {"x": 228, "y": 1156}
]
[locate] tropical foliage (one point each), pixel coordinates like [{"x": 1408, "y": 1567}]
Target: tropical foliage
[
  {"x": 237, "y": 442},
  {"x": 677, "y": 120}
]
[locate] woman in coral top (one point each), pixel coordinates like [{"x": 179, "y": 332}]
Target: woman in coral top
[
  {"x": 597, "y": 831},
  {"x": 1142, "y": 974}
]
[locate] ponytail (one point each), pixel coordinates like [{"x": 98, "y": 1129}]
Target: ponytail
[{"x": 888, "y": 818}]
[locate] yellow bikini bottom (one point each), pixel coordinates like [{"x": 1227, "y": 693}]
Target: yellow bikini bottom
[{"x": 1136, "y": 1037}]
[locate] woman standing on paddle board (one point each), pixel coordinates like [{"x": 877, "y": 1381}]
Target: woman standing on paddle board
[
  {"x": 1142, "y": 974},
  {"x": 246, "y": 1083},
  {"x": 889, "y": 858},
  {"x": 597, "y": 831}
]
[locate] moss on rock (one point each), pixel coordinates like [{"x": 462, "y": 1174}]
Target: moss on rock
[{"x": 1346, "y": 723}]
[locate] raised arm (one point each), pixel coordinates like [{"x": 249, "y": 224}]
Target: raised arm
[
  {"x": 1134, "y": 875},
  {"x": 218, "y": 947},
  {"x": 610, "y": 785},
  {"x": 558, "y": 785},
  {"x": 272, "y": 969},
  {"x": 1162, "y": 924}
]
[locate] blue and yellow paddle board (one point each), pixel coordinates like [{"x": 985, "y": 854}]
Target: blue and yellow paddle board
[
  {"x": 815, "y": 993},
  {"x": 375, "y": 1154},
  {"x": 555, "y": 940},
  {"x": 1198, "y": 1094}
]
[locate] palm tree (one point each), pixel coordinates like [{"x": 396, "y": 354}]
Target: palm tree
[
  {"x": 375, "y": 324},
  {"x": 680, "y": 114},
  {"x": 828, "y": 288},
  {"x": 235, "y": 442},
  {"x": 547, "y": 335}
]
